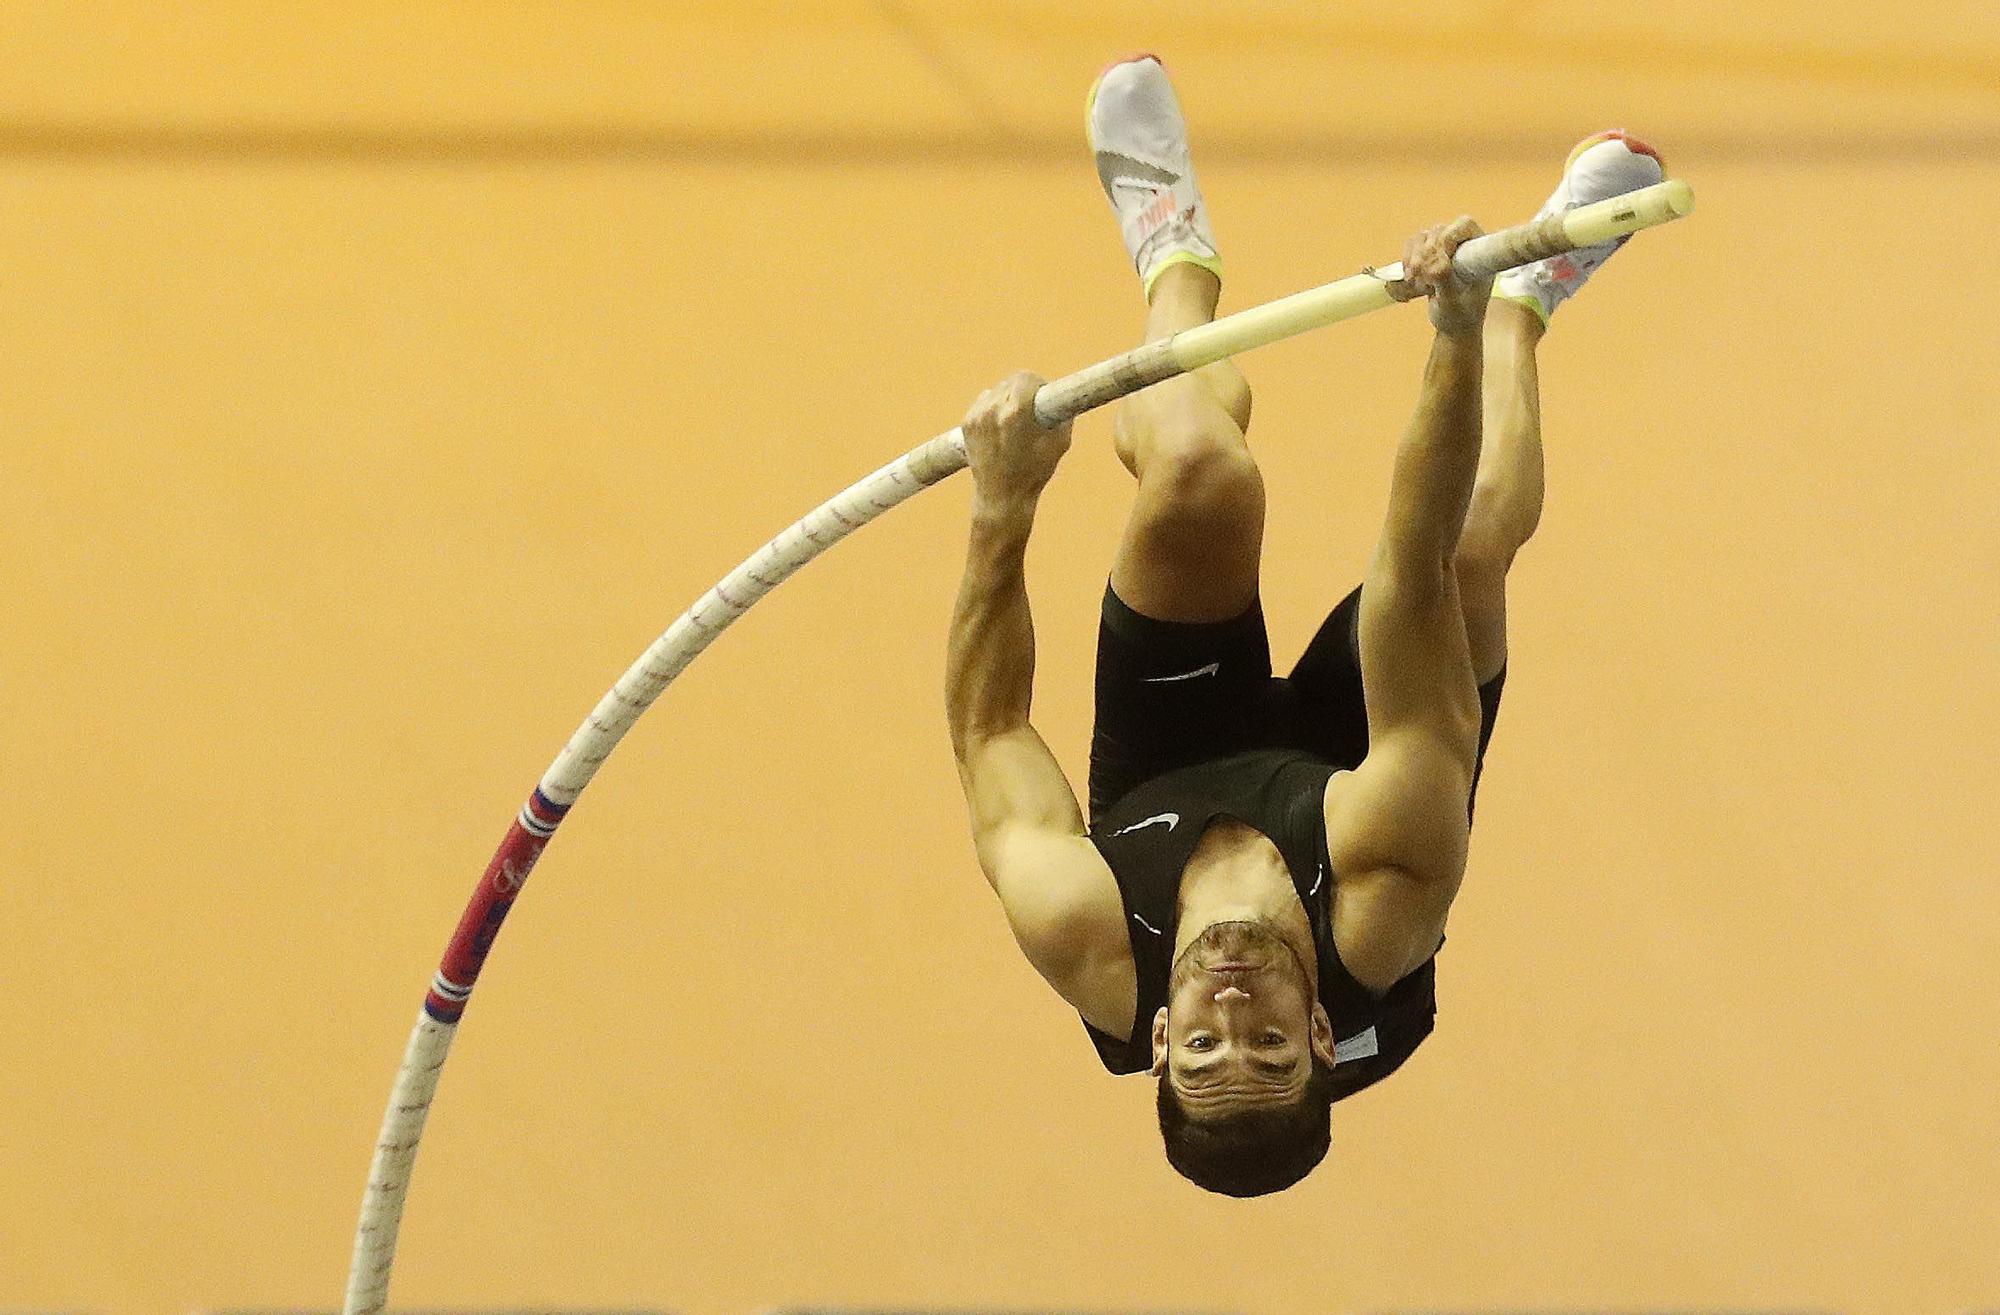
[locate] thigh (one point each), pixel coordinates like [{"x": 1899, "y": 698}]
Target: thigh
[
  {"x": 1489, "y": 712},
  {"x": 1482, "y": 600},
  {"x": 1331, "y": 707},
  {"x": 1332, "y": 710},
  {"x": 1171, "y": 694},
  {"x": 1195, "y": 537}
]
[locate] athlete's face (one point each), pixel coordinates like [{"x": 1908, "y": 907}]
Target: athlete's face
[{"x": 1241, "y": 1026}]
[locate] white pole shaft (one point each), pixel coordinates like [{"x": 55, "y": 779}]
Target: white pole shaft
[{"x": 395, "y": 1160}]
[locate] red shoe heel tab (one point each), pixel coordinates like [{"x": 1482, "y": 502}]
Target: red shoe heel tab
[
  {"x": 1633, "y": 144},
  {"x": 1132, "y": 58}
]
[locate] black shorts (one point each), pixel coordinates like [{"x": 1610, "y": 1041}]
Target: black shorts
[{"x": 1171, "y": 694}]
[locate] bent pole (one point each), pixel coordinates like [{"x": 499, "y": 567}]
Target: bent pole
[{"x": 767, "y": 568}]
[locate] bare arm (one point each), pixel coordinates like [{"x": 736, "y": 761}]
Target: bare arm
[
  {"x": 1029, "y": 833},
  {"x": 1397, "y": 826},
  {"x": 1010, "y": 778},
  {"x": 1416, "y": 664},
  {"x": 990, "y": 655}
]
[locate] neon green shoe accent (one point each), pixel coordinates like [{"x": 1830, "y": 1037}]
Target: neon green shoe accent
[{"x": 1527, "y": 299}]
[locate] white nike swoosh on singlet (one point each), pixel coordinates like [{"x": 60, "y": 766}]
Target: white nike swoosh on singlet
[
  {"x": 1171, "y": 819},
  {"x": 1209, "y": 670}
]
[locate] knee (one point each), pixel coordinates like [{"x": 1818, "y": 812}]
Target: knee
[
  {"x": 1480, "y": 565},
  {"x": 1231, "y": 389},
  {"x": 1497, "y": 524},
  {"x": 1488, "y": 540},
  {"x": 1479, "y": 570},
  {"x": 1204, "y": 472},
  {"x": 1481, "y": 576}
]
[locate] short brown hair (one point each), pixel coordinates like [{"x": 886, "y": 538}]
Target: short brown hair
[{"x": 1256, "y": 1151}]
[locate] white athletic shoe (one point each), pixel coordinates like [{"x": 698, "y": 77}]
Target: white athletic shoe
[
  {"x": 1140, "y": 139},
  {"x": 1603, "y": 164}
]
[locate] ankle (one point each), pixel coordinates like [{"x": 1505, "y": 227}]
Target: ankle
[
  {"x": 1513, "y": 323},
  {"x": 1185, "y": 290}
]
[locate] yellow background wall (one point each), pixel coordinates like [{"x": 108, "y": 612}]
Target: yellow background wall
[{"x": 377, "y": 380}]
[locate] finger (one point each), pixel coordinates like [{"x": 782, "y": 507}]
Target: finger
[
  {"x": 1428, "y": 271},
  {"x": 1413, "y": 253},
  {"x": 1021, "y": 390},
  {"x": 1413, "y": 265},
  {"x": 982, "y": 409},
  {"x": 1437, "y": 256},
  {"x": 1434, "y": 260},
  {"x": 1457, "y": 234}
]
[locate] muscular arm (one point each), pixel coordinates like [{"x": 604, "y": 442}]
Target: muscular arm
[
  {"x": 1397, "y": 825},
  {"x": 1416, "y": 665},
  {"x": 1026, "y": 827},
  {"x": 1009, "y": 776},
  {"x": 989, "y": 671},
  {"x": 1438, "y": 456}
]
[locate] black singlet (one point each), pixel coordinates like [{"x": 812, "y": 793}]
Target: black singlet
[{"x": 1147, "y": 838}]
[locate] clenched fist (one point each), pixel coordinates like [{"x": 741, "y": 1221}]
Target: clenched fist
[
  {"x": 1011, "y": 455},
  {"x": 1458, "y": 304}
]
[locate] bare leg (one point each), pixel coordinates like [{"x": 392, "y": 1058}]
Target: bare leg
[
  {"x": 1192, "y": 545},
  {"x": 1507, "y": 493}
]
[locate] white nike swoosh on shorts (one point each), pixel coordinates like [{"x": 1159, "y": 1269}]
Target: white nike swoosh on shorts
[
  {"x": 1171, "y": 819},
  {"x": 1209, "y": 670}
]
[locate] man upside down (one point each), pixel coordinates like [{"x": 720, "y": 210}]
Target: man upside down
[{"x": 1252, "y": 909}]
